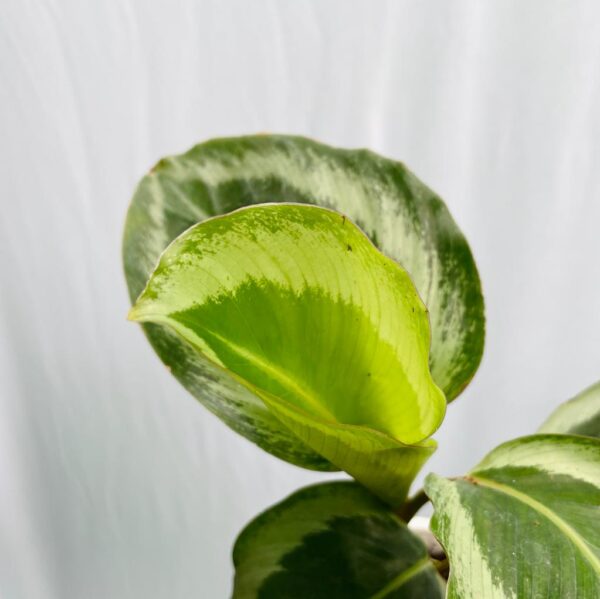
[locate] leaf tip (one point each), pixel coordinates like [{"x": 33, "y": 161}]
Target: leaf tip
[
  {"x": 136, "y": 313},
  {"x": 132, "y": 315}
]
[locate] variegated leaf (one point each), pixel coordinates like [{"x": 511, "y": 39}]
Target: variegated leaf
[
  {"x": 298, "y": 306},
  {"x": 578, "y": 416},
  {"x": 402, "y": 216},
  {"x": 525, "y": 524},
  {"x": 331, "y": 541}
]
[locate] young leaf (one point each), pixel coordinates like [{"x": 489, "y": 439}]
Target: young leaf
[
  {"x": 525, "y": 522},
  {"x": 407, "y": 221},
  {"x": 297, "y": 305},
  {"x": 332, "y": 540},
  {"x": 578, "y": 416}
]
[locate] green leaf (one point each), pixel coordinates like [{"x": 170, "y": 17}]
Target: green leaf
[
  {"x": 407, "y": 221},
  {"x": 525, "y": 522},
  {"x": 297, "y": 304},
  {"x": 331, "y": 541},
  {"x": 578, "y": 416}
]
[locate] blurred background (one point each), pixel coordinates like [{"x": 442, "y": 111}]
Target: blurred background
[{"x": 113, "y": 481}]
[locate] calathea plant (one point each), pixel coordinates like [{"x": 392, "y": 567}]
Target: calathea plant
[{"x": 324, "y": 304}]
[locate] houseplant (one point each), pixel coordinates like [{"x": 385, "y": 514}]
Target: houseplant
[{"x": 324, "y": 304}]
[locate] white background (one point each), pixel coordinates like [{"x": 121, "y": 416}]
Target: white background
[{"x": 114, "y": 483}]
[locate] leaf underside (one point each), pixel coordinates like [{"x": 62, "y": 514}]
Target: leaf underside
[
  {"x": 328, "y": 541},
  {"x": 298, "y": 305},
  {"x": 525, "y": 522},
  {"x": 407, "y": 221}
]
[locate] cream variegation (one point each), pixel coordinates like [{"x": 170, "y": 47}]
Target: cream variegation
[
  {"x": 297, "y": 305},
  {"x": 407, "y": 221},
  {"x": 455, "y": 527},
  {"x": 525, "y": 522}
]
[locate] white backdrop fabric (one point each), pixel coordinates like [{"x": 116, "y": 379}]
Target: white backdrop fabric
[{"x": 113, "y": 481}]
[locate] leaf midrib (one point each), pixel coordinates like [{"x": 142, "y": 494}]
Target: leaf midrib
[
  {"x": 553, "y": 517},
  {"x": 265, "y": 365},
  {"x": 403, "y": 578}
]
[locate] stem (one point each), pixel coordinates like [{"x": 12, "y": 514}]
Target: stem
[
  {"x": 442, "y": 566},
  {"x": 412, "y": 506}
]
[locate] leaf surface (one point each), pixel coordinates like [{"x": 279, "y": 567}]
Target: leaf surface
[
  {"x": 332, "y": 540},
  {"x": 298, "y": 306},
  {"x": 525, "y": 522},
  {"x": 578, "y": 416},
  {"x": 405, "y": 219}
]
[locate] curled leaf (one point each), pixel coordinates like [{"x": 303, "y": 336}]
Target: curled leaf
[
  {"x": 404, "y": 219},
  {"x": 298, "y": 306}
]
